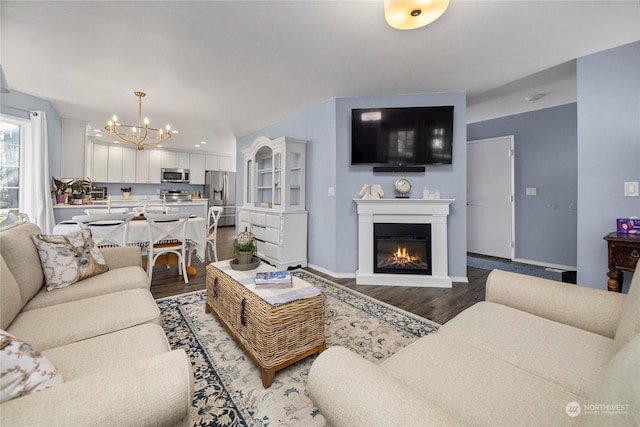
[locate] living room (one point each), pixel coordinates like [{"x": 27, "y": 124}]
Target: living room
[
  {"x": 588, "y": 144},
  {"x": 573, "y": 245}
]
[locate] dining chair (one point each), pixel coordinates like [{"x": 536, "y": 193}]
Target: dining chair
[
  {"x": 106, "y": 211},
  {"x": 212, "y": 231},
  {"x": 156, "y": 209},
  {"x": 107, "y": 230},
  {"x": 167, "y": 234}
]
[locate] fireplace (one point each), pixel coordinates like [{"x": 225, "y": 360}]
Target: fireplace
[
  {"x": 402, "y": 248},
  {"x": 415, "y": 230}
]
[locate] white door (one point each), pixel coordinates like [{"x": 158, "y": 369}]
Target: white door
[{"x": 490, "y": 197}]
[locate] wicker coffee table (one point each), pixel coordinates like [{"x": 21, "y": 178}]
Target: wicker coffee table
[{"x": 273, "y": 336}]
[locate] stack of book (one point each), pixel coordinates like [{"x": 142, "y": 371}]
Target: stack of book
[{"x": 273, "y": 280}]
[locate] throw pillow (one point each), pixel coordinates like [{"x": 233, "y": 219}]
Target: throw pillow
[
  {"x": 68, "y": 258},
  {"x": 24, "y": 369}
]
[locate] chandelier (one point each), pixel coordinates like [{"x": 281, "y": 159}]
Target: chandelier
[
  {"x": 412, "y": 14},
  {"x": 141, "y": 135}
]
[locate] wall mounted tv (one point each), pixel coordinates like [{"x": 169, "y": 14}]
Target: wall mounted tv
[{"x": 398, "y": 138}]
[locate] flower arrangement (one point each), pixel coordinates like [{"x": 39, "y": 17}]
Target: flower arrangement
[{"x": 126, "y": 190}]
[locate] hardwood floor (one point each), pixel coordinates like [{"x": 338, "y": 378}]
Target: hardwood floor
[{"x": 439, "y": 305}]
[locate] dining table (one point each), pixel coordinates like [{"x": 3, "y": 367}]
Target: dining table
[{"x": 138, "y": 235}]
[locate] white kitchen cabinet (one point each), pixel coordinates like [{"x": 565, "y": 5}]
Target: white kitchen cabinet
[
  {"x": 281, "y": 237},
  {"x": 197, "y": 168},
  {"x": 112, "y": 163},
  {"x": 175, "y": 160},
  {"x": 183, "y": 160},
  {"x": 148, "y": 166},
  {"x": 169, "y": 160},
  {"x": 122, "y": 165},
  {"x": 219, "y": 163},
  {"x": 100, "y": 163}
]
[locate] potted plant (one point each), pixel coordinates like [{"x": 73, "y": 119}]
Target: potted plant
[
  {"x": 79, "y": 188},
  {"x": 59, "y": 190},
  {"x": 244, "y": 251},
  {"x": 126, "y": 193}
]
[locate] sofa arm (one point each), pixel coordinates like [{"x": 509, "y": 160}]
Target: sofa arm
[
  {"x": 125, "y": 256},
  {"x": 351, "y": 391},
  {"x": 589, "y": 309},
  {"x": 150, "y": 392}
]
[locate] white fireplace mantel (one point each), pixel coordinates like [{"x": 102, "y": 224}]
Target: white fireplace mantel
[{"x": 407, "y": 211}]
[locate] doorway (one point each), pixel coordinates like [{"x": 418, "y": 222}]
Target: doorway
[{"x": 490, "y": 197}]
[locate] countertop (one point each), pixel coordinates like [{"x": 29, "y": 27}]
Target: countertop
[{"x": 119, "y": 202}]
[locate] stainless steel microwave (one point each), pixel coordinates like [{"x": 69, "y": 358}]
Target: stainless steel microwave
[{"x": 175, "y": 175}]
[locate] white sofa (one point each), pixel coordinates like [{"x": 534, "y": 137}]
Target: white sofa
[
  {"x": 536, "y": 352},
  {"x": 102, "y": 334}
]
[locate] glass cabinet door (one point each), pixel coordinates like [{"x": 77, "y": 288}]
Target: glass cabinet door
[
  {"x": 264, "y": 177},
  {"x": 295, "y": 172},
  {"x": 277, "y": 178}
]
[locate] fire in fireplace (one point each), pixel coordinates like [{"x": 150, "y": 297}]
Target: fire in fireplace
[{"x": 402, "y": 248}]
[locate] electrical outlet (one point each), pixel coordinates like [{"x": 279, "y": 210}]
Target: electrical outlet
[
  {"x": 531, "y": 191},
  {"x": 331, "y": 191},
  {"x": 631, "y": 189}
]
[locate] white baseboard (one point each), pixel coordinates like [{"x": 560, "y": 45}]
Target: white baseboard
[
  {"x": 333, "y": 273},
  {"x": 546, "y": 264},
  {"x": 460, "y": 279}
]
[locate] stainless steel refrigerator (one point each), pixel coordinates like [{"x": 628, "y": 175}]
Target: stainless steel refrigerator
[{"x": 220, "y": 189}]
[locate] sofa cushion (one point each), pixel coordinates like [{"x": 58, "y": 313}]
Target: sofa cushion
[
  {"x": 74, "y": 321},
  {"x": 629, "y": 326},
  {"x": 478, "y": 388},
  {"x": 120, "y": 279},
  {"x": 68, "y": 258},
  {"x": 10, "y": 298},
  {"x": 108, "y": 351},
  {"x": 616, "y": 400},
  {"x": 551, "y": 350},
  {"x": 18, "y": 251},
  {"x": 24, "y": 369}
]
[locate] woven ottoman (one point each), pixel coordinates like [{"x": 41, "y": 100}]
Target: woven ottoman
[{"x": 274, "y": 335}]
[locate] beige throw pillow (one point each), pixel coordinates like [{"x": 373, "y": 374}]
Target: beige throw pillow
[
  {"x": 68, "y": 258},
  {"x": 24, "y": 369}
]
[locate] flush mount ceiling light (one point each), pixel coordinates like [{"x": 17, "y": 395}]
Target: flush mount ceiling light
[
  {"x": 412, "y": 14},
  {"x": 141, "y": 135}
]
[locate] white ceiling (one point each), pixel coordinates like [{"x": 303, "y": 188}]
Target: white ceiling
[{"x": 217, "y": 70}]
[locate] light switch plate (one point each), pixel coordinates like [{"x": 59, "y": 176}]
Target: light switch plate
[
  {"x": 531, "y": 191},
  {"x": 631, "y": 189}
]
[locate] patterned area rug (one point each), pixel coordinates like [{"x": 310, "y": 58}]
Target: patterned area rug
[{"x": 228, "y": 386}]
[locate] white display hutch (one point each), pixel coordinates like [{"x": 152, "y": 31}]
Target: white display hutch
[{"x": 274, "y": 200}]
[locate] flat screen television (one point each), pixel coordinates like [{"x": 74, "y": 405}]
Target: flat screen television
[{"x": 402, "y": 136}]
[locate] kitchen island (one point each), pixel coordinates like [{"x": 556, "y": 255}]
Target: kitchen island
[{"x": 64, "y": 212}]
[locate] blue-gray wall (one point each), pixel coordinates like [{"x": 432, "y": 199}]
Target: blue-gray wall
[
  {"x": 333, "y": 222},
  {"x": 546, "y": 158},
  {"x": 608, "y": 88},
  {"x": 54, "y": 127}
]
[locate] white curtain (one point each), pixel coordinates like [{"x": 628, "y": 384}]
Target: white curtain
[{"x": 35, "y": 191}]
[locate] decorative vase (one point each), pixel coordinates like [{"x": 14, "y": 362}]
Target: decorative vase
[
  {"x": 126, "y": 195},
  {"x": 61, "y": 198},
  {"x": 245, "y": 257}
]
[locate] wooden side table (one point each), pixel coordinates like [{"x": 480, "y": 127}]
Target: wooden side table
[{"x": 624, "y": 252}]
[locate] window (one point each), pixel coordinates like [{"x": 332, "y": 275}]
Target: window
[{"x": 13, "y": 132}]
